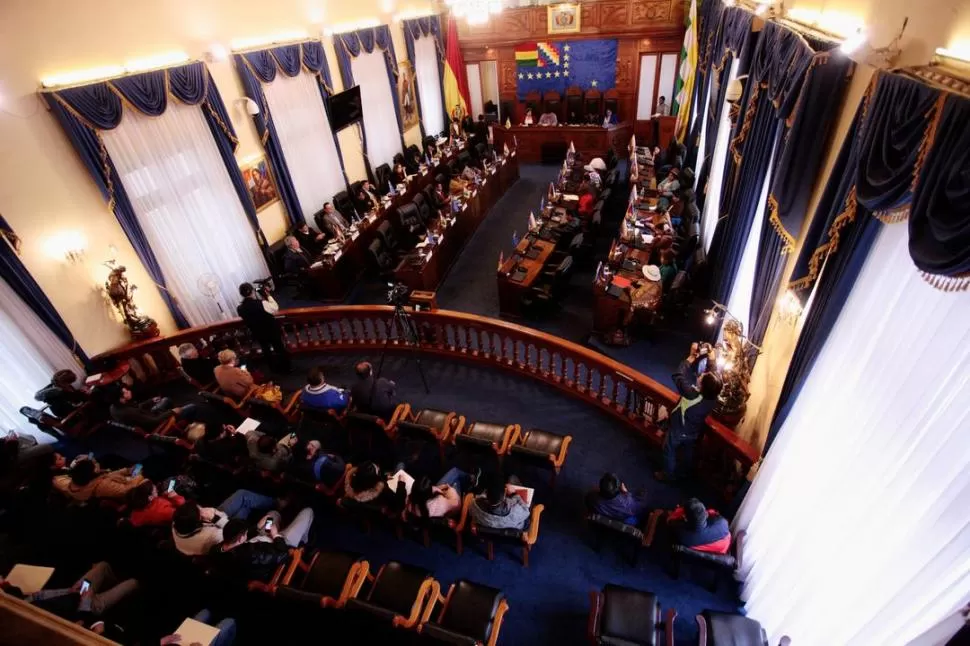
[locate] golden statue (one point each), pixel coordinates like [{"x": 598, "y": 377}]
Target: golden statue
[
  {"x": 122, "y": 295},
  {"x": 734, "y": 354}
]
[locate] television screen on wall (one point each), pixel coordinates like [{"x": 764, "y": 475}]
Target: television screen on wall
[{"x": 345, "y": 108}]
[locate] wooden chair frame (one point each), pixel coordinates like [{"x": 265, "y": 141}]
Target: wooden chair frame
[
  {"x": 529, "y": 536},
  {"x": 557, "y": 460},
  {"x": 702, "y": 633},
  {"x": 453, "y": 425},
  {"x": 503, "y": 607},
  {"x": 429, "y": 591},
  {"x": 296, "y": 553},
  {"x": 665, "y": 620},
  {"x": 358, "y": 574},
  {"x": 501, "y": 450}
]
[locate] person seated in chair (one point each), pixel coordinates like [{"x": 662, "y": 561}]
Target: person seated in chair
[
  {"x": 195, "y": 529},
  {"x": 609, "y": 119},
  {"x": 413, "y": 161},
  {"x": 373, "y": 397},
  {"x": 699, "y": 528},
  {"x": 233, "y": 380},
  {"x": 366, "y": 484},
  {"x": 698, "y": 398},
  {"x": 527, "y": 120},
  {"x": 443, "y": 498},
  {"x": 500, "y": 507},
  {"x": 222, "y": 445},
  {"x": 430, "y": 151},
  {"x": 615, "y": 501},
  {"x": 399, "y": 174},
  {"x": 548, "y": 119},
  {"x": 442, "y": 198},
  {"x": 313, "y": 464},
  {"x": 104, "y": 592},
  {"x": 310, "y": 240},
  {"x": 244, "y": 559},
  {"x": 148, "y": 414},
  {"x": 266, "y": 453},
  {"x": 471, "y": 174},
  {"x": 367, "y": 198},
  {"x": 457, "y": 186},
  {"x": 668, "y": 268},
  {"x": 585, "y": 201},
  {"x": 200, "y": 369},
  {"x": 151, "y": 509},
  {"x": 296, "y": 259},
  {"x": 321, "y": 396},
  {"x": 60, "y": 394},
  {"x": 85, "y": 480},
  {"x": 335, "y": 223}
]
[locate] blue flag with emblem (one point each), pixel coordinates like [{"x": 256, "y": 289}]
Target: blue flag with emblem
[{"x": 549, "y": 66}]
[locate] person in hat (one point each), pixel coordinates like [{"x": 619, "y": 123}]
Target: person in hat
[
  {"x": 648, "y": 292},
  {"x": 598, "y": 164}
]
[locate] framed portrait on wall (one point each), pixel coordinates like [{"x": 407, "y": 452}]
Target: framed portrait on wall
[
  {"x": 563, "y": 18},
  {"x": 260, "y": 183},
  {"x": 406, "y": 97}
]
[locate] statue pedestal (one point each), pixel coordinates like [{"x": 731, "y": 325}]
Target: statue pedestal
[{"x": 148, "y": 332}]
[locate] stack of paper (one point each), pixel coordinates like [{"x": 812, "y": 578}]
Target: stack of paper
[
  {"x": 407, "y": 480},
  {"x": 525, "y": 492},
  {"x": 248, "y": 426},
  {"x": 196, "y": 632},
  {"x": 29, "y": 578}
]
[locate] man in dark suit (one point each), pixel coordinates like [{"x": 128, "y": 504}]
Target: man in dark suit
[
  {"x": 263, "y": 326},
  {"x": 310, "y": 240},
  {"x": 373, "y": 397},
  {"x": 333, "y": 222},
  {"x": 367, "y": 199},
  {"x": 481, "y": 131},
  {"x": 295, "y": 259}
]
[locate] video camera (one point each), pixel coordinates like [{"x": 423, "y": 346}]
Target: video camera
[
  {"x": 397, "y": 294},
  {"x": 264, "y": 287}
]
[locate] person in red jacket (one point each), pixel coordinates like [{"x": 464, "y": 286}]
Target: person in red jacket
[
  {"x": 149, "y": 509},
  {"x": 699, "y": 528},
  {"x": 585, "y": 201}
]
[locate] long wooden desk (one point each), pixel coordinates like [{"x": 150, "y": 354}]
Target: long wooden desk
[
  {"x": 590, "y": 141},
  {"x": 519, "y": 273}
]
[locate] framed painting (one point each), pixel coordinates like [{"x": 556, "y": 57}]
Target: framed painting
[
  {"x": 563, "y": 18},
  {"x": 406, "y": 97},
  {"x": 260, "y": 183}
]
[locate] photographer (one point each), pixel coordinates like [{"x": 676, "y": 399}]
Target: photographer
[
  {"x": 257, "y": 312},
  {"x": 699, "y": 388}
]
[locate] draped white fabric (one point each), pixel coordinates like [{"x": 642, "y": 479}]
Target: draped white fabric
[
  {"x": 187, "y": 207},
  {"x": 429, "y": 84},
  {"x": 712, "y": 201},
  {"x": 739, "y": 302},
  {"x": 297, "y": 111},
  {"x": 380, "y": 120},
  {"x": 29, "y": 353},
  {"x": 858, "y": 521},
  {"x": 702, "y": 141}
]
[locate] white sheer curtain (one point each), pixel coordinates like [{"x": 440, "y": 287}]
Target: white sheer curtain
[
  {"x": 29, "y": 353},
  {"x": 712, "y": 200},
  {"x": 429, "y": 84},
  {"x": 858, "y": 521},
  {"x": 702, "y": 114},
  {"x": 739, "y": 302},
  {"x": 297, "y": 111},
  {"x": 380, "y": 120},
  {"x": 187, "y": 207}
]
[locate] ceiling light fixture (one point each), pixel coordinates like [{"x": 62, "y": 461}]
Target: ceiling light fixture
[
  {"x": 344, "y": 27},
  {"x": 475, "y": 12},
  {"x": 269, "y": 39}
]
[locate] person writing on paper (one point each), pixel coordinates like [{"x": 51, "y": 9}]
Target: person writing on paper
[
  {"x": 233, "y": 380},
  {"x": 310, "y": 240},
  {"x": 609, "y": 119},
  {"x": 527, "y": 121},
  {"x": 662, "y": 108},
  {"x": 548, "y": 119},
  {"x": 615, "y": 501},
  {"x": 444, "y": 498},
  {"x": 268, "y": 454},
  {"x": 262, "y": 323},
  {"x": 60, "y": 395},
  {"x": 367, "y": 485},
  {"x": 373, "y": 396},
  {"x": 85, "y": 480},
  {"x": 501, "y": 507},
  {"x": 149, "y": 508},
  {"x": 246, "y": 559},
  {"x": 321, "y": 396},
  {"x": 195, "y": 529}
]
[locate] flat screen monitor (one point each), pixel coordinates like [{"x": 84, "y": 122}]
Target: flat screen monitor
[{"x": 345, "y": 108}]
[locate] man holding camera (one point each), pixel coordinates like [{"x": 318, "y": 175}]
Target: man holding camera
[
  {"x": 698, "y": 398},
  {"x": 257, "y": 312}
]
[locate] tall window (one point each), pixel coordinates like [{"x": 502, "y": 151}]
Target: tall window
[
  {"x": 29, "y": 353},
  {"x": 380, "y": 120},
  {"x": 188, "y": 209},
  {"x": 429, "y": 84},
  {"x": 307, "y": 141},
  {"x": 712, "y": 199}
]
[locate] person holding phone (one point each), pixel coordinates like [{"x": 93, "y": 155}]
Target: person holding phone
[
  {"x": 151, "y": 509},
  {"x": 85, "y": 480},
  {"x": 255, "y": 559},
  {"x": 98, "y": 590}
]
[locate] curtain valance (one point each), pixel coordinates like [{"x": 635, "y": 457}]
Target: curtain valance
[{"x": 290, "y": 59}]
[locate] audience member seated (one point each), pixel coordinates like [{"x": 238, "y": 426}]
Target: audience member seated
[
  {"x": 60, "y": 395},
  {"x": 149, "y": 508},
  {"x": 399, "y": 174},
  {"x": 367, "y": 198},
  {"x": 668, "y": 268},
  {"x": 367, "y": 485},
  {"x": 321, "y": 396},
  {"x": 200, "y": 369},
  {"x": 615, "y": 501},
  {"x": 373, "y": 396},
  {"x": 471, "y": 174},
  {"x": 296, "y": 259},
  {"x": 268, "y": 454},
  {"x": 147, "y": 414},
  {"x": 334, "y": 222},
  {"x": 698, "y": 398},
  {"x": 699, "y": 528},
  {"x": 609, "y": 119},
  {"x": 500, "y": 507},
  {"x": 548, "y": 119},
  {"x": 222, "y": 444},
  {"x": 226, "y": 628},
  {"x": 195, "y": 529},
  {"x": 444, "y": 498},
  {"x": 256, "y": 559},
  {"x": 527, "y": 120},
  {"x": 310, "y": 240},
  {"x": 457, "y": 186},
  {"x": 442, "y": 198},
  {"x": 233, "y": 380},
  {"x": 104, "y": 591},
  {"x": 315, "y": 465},
  {"x": 585, "y": 201},
  {"x": 85, "y": 480}
]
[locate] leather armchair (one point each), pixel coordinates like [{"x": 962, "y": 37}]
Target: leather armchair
[
  {"x": 628, "y": 617},
  {"x": 328, "y": 580},
  {"x": 275, "y": 414},
  {"x": 723, "y": 629},
  {"x": 716, "y": 564},
  {"x": 454, "y": 523},
  {"x": 227, "y": 407},
  {"x": 410, "y": 218},
  {"x": 487, "y": 436},
  {"x": 601, "y": 526},
  {"x": 382, "y": 175},
  {"x": 526, "y": 538},
  {"x": 380, "y": 256},
  {"x": 343, "y": 203},
  {"x": 421, "y": 204},
  {"x": 428, "y": 424},
  {"x": 542, "y": 448},
  {"x": 471, "y": 614},
  {"x": 386, "y": 233},
  {"x": 398, "y": 595}
]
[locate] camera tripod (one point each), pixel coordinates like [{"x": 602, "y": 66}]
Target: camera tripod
[{"x": 409, "y": 333}]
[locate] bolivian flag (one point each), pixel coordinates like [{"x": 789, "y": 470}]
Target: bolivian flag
[
  {"x": 455, "y": 80},
  {"x": 527, "y": 55}
]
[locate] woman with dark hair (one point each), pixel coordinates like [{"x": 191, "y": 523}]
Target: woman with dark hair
[
  {"x": 444, "y": 498},
  {"x": 366, "y": 484}
]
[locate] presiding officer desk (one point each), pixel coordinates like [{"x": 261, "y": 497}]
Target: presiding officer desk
[{"x": 549, "y": 143}]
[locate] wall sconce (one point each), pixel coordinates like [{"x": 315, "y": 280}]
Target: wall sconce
[
  {"x": 789, "y": 307},
  {"x": 250, "y": 106},
  {"x": 68, "y": 246}
]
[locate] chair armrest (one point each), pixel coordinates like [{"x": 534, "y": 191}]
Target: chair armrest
[
  {"x": 651, "y": 530},
  {"x": 669, "y": 619},
  {"x": 291, "y": 403},
  {"x": 701, "y": 630},
  {"x": 445, "y": 431},
  {"x": 165, "y": 427},
  {"x": 245, "y": 398},
  {"x": 466, "y": 503},
  {"x": 73, "y": 416},
  {"x": 530, "y": 535},
  {"x": 511, "y": 431},
  {"x": 430, "y": 589},
  {"x": 459, "y": 426},
  {"x": 337, "y": 486},
  {"x": 558, "y": 460},
  {"x": 435, "y": 598},
  {"x": 294, "y": 564},
  {"x": 595, "y": 609},
  {"x": 352, "y": 585},
  {"x": 401, "y": 414},
  {"x": 503, "y": 607}
]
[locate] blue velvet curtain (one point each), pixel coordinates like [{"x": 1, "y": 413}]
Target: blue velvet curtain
[
  {"x": 84, "y": 111},
  {"x": 423, "y": 27},
  {"x": 707, "y": 29},
  {"x": 796, "y": 168},
  {"x": 349, "y": 46},
  {"x": 15, "y": 274},
  {"x": 259, "y": 67}
]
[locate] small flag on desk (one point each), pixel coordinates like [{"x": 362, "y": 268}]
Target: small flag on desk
[
  {"x": 390, "y": 187},
  {"x": 572, "y": 148},
  {"x": 633, "y": 194},
  {"x": 533, "y": 225},
  {"x": 633, "y": 145},
  {"x": 508, "y": 122},
  {"x": 515, "y": 140},
  {"x": 427, "y": 160},
  {"x": 505, "y": 149},
  {"x": 501, "y": 260},
  {"x": 552, "y": 191},
  {"x": 542, "y": 204},
  {"x": 515, "y": 238}
]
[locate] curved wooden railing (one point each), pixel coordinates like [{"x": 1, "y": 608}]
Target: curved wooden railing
[{"x": 627, "y": 395}]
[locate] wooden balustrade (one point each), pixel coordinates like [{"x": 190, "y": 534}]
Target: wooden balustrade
[{"x": 625, "y": 394}]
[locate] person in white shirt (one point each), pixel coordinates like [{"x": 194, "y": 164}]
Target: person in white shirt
[
  {"x": 528, "y": 117},
  {"x": 662, "y": 108},
  {"x": 548, "y": 119},
  {"x": 195, "y": 529}
]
